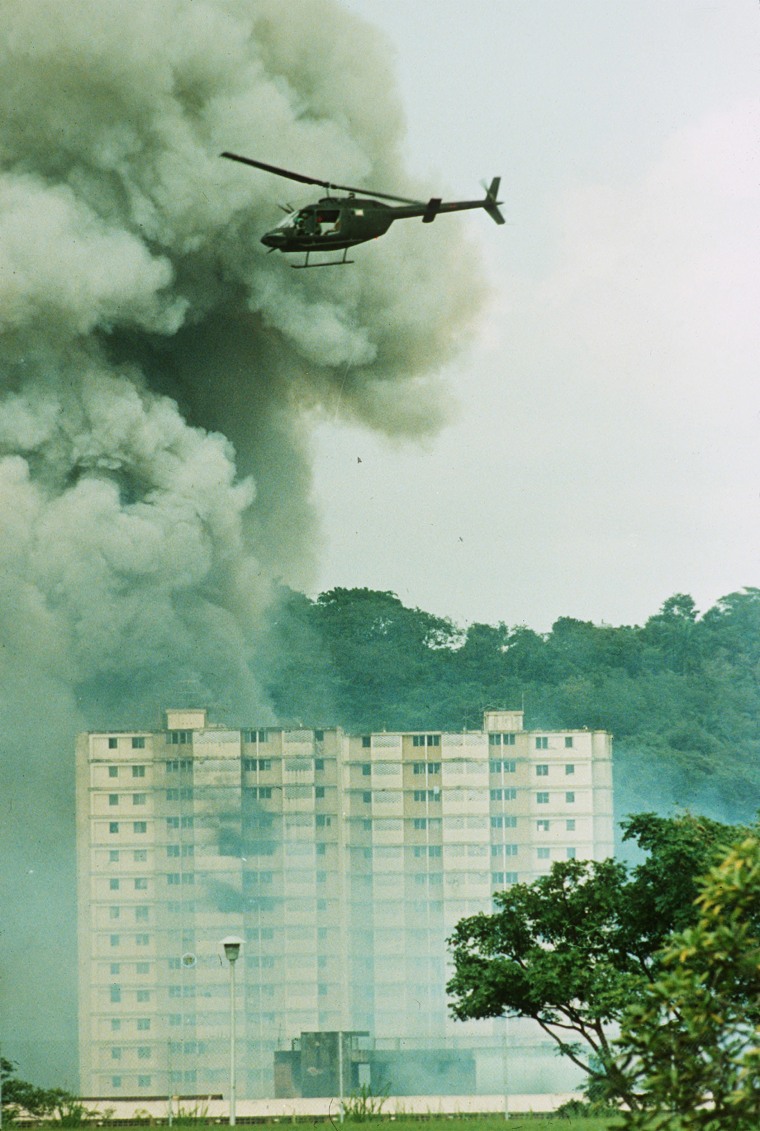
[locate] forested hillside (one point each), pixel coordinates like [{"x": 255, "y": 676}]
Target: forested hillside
[{"x": 681, "y": 694}]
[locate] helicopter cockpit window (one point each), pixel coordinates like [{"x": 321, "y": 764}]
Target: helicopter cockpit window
[{"x": 290, "y": 221}]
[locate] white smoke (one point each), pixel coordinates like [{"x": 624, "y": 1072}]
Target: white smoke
[{"x": 159, "y": 373}]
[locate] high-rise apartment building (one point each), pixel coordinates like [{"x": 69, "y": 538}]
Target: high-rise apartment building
[{"x": 342, "y": 861}]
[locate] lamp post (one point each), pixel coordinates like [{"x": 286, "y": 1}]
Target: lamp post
[{"x": 232, "y": 946}]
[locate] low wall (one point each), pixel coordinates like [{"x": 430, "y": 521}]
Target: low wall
[{"x": 153, "y": 1109}]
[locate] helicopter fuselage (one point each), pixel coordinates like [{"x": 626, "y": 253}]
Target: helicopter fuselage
[{"x": 332, "y": 223}]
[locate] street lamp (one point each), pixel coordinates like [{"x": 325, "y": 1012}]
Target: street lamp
[{"x": 232, "y": 945}]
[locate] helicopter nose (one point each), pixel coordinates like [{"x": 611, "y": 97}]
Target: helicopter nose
[{"x": 272, "y": 239}]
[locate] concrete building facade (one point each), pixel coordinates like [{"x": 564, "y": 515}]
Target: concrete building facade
[{"x": 342, "y": 861}]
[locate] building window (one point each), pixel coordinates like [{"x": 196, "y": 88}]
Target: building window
[
  {"x": 113, "y": 743},
  {"x": 113, "y": 826},
  {"x": 143, "y": 1052},
  {"x": 542, "y": 744},
  {"x": 544, "y": 853},
  {"x": 568, "y": 741},
  {"x": 570, "y": 768},
  {"x": 319, "y": 763},
  {"x": 114, "y": 940},
  {"x": 143, "y": 1024},
  {"x": 115, "y": 1054},
  {"x": 143, "y": 1081},
  {"x": 115, "y": 1024},
  {"x": 366, "y": 769},
  {"x": 115, "y": 967},
  {"x": 323, "y": 821},
  {"x": 420, "y": 822},
  {"x": 503, "y": 822},
  {"x": 542, "y": 826},
  {"x": 183, "y": 794},
  {"x": 367, "y": 796},
  {"x": 179, "y": 737},
  {"x": 113, "y": 856},
  {"x": 319, "y": 791},
  {"x": 503, "y": 794},
  {"x": 499, "y": 766},
  {"x": 143, "y": 968},
  {"x": 142, "y": 940},
  {"x": 143, "y": 995},
  {"x": 366, "y": 741},
  {"x": 139, "y": 798},
  {"x": 138, "y": 771},
  {"x": 262, "y": 792},
  {"x": 139, "y": 826},
  {"x": 113, "y": 885},
  {"x": 113, "y": 771},
  {"x": 113, "y": 912},
  {"x": 570, "y": 797},
  {"x": 542, "y": 771},
  {"x": 116, "y": 1081},
  {"x": 570, "y": 824},
  {"x": 138, "y": 743},
  {"x": 257, "y": 764},
  {"x": 570, "y": 853},
  {"x": 140, "y": 855},
  {"x": 172, "y": 850},
  {"x": 501, "y": 739},
  {"x": 255, "y": 735},
  {"x": 426, "y": 740},
  {"x": 141, "y": 914},
  {"x": 542, "y": 798},
  {"x": 113, "y": 799},
  {"x": 115, "y": 993}
]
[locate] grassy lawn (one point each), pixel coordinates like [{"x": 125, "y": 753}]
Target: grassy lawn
[{"x": 453, "y": 1123}]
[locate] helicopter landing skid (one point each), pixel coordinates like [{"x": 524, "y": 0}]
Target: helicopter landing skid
[{"x": 329, "y": 263}]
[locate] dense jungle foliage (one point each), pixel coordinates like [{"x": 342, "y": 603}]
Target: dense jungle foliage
[{"x": 680, "y": 694}]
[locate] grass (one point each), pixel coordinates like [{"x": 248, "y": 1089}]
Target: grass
[{"x": 434, "y": 1123}]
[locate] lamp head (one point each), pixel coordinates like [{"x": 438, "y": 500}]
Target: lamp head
[{"x": 232, "y": 945}]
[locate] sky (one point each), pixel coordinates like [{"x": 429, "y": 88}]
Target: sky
[{"x": 601, "y": 449}]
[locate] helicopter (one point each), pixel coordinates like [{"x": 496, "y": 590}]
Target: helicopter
[{"x": 337, "y": 223}]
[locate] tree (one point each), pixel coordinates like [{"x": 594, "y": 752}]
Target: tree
[
  {"x": 18, "y": 1096},
  {"x": 572, "y": 949},
  {"x": 691, "y": 1042}
]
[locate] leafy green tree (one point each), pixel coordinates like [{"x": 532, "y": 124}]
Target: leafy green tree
[
  {"x": 19, "y": 1097},
  {"x": 572, "y": 949},
  {"x": 692, "y": 1040},
  {"x": 681, "y": 694}
]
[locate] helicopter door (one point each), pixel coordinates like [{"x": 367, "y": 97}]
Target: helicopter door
[{"x": 328, "y": 221}]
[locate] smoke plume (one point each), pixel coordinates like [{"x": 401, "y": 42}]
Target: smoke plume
[{"x": 159, "y": 374}]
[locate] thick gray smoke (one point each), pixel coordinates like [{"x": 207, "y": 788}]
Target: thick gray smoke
[{"x": 159, "y": 374}]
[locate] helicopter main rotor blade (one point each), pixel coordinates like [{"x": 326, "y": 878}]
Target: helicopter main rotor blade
[{"x": 314, "y": 181}]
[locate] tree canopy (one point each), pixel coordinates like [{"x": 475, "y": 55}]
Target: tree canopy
[
  {"x": 681, "y": 693},
  {"x": 691, "y": 1040},
  {"x": 573, "y": 949}
]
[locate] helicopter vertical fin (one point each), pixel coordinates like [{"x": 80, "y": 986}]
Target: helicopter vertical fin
[
  {"x": 432, "y": 209},
  {"x": 491, "y": 204}
]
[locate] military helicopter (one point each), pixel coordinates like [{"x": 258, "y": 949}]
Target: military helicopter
[{"x": 336, "y": 223}]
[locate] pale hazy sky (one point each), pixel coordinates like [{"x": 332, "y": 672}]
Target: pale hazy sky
[{"x": 603, "y": 448}]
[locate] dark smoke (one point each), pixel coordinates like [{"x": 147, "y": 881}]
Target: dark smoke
[{"x": 159, "y": 374}]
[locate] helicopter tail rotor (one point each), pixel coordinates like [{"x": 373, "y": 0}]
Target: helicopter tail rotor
[{"x": 491, "y": 204}]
